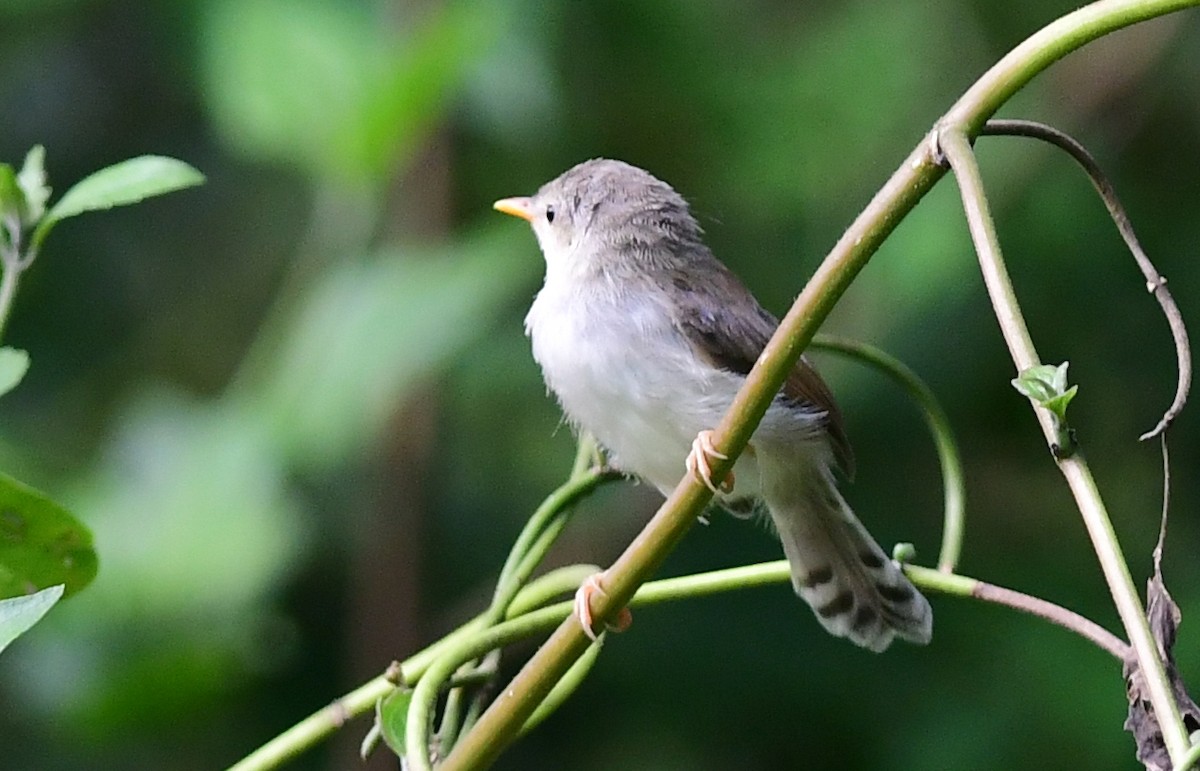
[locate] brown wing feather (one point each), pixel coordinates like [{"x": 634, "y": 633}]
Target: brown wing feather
[
  {"x": 804, "y": 384},
  {"x": 733, "y": 341}
]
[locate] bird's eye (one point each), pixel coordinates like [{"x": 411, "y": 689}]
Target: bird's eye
[{"x": 549, "y": 214}]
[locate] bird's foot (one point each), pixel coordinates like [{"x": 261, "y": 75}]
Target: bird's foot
[
  {"x": 699, "y": 463},
  {"x": 583, "y": 608}
]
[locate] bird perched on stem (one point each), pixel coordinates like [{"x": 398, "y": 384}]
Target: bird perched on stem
[{"x": 645, "y": 338}]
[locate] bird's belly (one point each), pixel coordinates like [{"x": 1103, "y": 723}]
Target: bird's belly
[
  {"x": 640, "y": 390},
  {"x": 647, "y": 426}
]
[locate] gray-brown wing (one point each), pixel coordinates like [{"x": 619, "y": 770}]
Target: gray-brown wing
[{"x": 729, "y": 328}]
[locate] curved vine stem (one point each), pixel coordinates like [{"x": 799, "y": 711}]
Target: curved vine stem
[
  {"x": 1156, "y": 283},
  {"x": 953, "y": 485},
  {"x": 534, "y": 541}
]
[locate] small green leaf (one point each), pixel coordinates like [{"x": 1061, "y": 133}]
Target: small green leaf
[
  {"x": 12, "y": 200},
  {"x": 1059, "y": 381},
  {"x": 1044, "y": 372},
  {"x": 119, "y": 185},
  {"x": 32, "y": 180},
  {"x": 391, "y": 715},
  {"x": 41, "y": 543},
  {"x": 1032, "y": 388},
  {"x": 18, "y": 614},
  {"x": 14, "y": 363},
  {"x": 1046, "y": 385},
  {"x": 1058, "y": 405}
]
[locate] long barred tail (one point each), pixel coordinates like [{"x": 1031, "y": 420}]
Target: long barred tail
[{"x": 855, "y": 590}]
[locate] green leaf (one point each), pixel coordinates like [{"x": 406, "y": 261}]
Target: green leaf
[
  {"x": 391, "y": 715},
  {"x": 1044, "y": 372},
  {"x": 1059, "y": 381},
  {"x": 14, "y": 363},
  {"x": 32, "y": 180},
  {"x": 12, "y": 200},
  {"x": 18, "y": 614},
  {"x": 1046, "y": 384},
  {"x": 41, "y": 543},
  {"x": 1058, "y": 405},
  {"x": 121, "y": 184},
  {"x": 1032, "y": 388}
]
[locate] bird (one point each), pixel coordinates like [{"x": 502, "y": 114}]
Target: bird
[{"x": 644, "y": 337}]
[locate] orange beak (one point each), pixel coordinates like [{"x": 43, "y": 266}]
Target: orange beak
[{"x": 517, "y": 207}]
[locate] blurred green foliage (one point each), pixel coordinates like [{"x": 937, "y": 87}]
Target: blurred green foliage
[
  {"x": 42, "y": 545},
  {"x": 297, "y": 409}
]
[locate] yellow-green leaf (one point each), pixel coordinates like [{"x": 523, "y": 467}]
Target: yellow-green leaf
[
  {"x": 119, "y": 185},
  {"x": 41, "y": 543}
]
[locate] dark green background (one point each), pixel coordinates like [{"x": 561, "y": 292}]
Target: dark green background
[{"x": 298, "y": 410}]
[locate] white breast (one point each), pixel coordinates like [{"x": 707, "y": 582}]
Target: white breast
[{"x": 623, "y": 372}]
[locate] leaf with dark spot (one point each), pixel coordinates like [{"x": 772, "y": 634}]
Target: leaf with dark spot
[{"x": 41, "y": 543}]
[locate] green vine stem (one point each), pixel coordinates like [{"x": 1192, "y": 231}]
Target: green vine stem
[
  {"x": 530, "y": 615},
  {"x": 918, "y": 173},
  {"x": 564, "y": 688},
  {"x": 585, "y": 475},
  {"x": 954, "y": 142},
  {"x": 534, "y": 541},
  {"x": 324, "y": 722},
  {"x": 953, "y": 484}
]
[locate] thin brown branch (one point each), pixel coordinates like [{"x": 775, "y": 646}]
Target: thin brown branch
[
  {"x": 1055, "y": 614},
  {"x": 964, "y": 586},
  {"x": 1156, "y": 283}
]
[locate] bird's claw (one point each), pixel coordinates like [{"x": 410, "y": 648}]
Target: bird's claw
[
  {"x": 583, "y": 609},
  {"x": 699, "y": 464}
]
